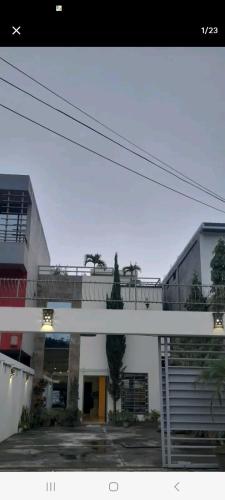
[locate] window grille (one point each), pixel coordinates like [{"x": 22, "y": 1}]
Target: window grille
[{"x": 134, "y": 395}]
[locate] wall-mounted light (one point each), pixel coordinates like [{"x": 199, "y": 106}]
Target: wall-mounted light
[
  {"x": 218, "y": 322},
  {"x": 147, "y": 303},
  {"x": 26, "y": 377},
  {"x": 12, "y": 373},
  {"x": 47, "y": 320}
]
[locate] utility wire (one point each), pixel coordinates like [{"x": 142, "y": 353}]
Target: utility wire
[
  {"x": 112, "y": 130},
  {"x": 108, "y": 138},
  {"x": 110, "y": 159}
]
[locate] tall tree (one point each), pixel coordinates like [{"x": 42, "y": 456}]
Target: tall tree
[
  {"x": 94, "y": 259},
  {"x": 196, "y": 301},
  {"x": 115, "y": 301},
  {"x": 218, "y": 263},
  {"x": 115, "y": 344},
  {"x": 218, "y": 277}
]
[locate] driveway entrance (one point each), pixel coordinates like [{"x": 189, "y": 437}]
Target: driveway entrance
[{"x": 89, "y": 447}]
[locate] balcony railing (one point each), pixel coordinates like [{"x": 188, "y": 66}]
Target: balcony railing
[
  {"x": 140, "y": 293},
  {"x": 74, "y": 271},
  {"x": 12, "y": 237},
  {"x": 89, "y": 271}
]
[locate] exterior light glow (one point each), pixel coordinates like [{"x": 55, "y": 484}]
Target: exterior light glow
[
  {"x": 12, "y": 373},
  {"x": 218, "y": 325},
  {"x": 47, "y": 320}
]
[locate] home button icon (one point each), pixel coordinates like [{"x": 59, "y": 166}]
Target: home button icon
[{"x": 113, "y": 486}]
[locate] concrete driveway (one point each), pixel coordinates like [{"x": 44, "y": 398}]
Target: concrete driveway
[{"x": 89, "y": 447}]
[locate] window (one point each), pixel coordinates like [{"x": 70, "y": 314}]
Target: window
[
  {"x": 13, "y": 215},
  {"x": 134, "y": 395}
]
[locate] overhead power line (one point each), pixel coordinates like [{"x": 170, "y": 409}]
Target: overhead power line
[
  {"x": 205, "y": 190},
  {"x": 201, "y": 186},
  {"x": 110, "y": 159}
]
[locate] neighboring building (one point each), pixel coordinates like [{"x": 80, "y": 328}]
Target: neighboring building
[
  {"x": 195, "y": 257},
  {"x": 22, "y": 249}
]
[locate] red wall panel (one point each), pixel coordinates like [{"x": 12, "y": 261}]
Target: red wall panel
[
  {"x": 5, "y": 341},
  {"x": 12, "y": 294}
]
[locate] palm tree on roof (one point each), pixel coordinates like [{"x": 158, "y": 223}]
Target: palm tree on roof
[
  {"x": 132, "y": 269},
  {"x": 94, "y": 259}
]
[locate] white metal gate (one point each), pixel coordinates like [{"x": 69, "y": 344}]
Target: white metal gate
[{"x": 192, "y": 417}]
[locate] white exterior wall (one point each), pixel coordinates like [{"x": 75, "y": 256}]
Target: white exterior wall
[
  {"x": 208, "y": 242},
  {"x": 14, "y": 394},
  {"x": 99, "y": 286},
  {"x": 141, "y": 356},
  {"x": 110, "y": 322},
  {"x": 93, "y": 362}
]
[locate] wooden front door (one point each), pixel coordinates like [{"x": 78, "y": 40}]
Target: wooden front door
[{"x": 102, "y": 398}]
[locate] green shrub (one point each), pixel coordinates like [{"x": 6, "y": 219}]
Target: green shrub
[
  {"x": 56, "y": 416},
  {"x": 25, "y": 419},
  {"x": 121, "y": 417},
  {"x": 153, "y": 417}
]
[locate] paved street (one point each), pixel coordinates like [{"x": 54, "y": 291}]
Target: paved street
[{"x": 90, "y": 447}]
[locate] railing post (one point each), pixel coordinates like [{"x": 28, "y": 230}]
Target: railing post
[
  {"x": 135, "y": 292},
  {"x": 17, "y": 288}
]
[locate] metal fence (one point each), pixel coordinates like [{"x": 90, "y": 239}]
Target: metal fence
[
  {"x": 96, "y": 271},
  {"x": 192, "y": 416},
  {"x": 74, "y": 271},
  {"x": 78, "y": 288},
  {"x": 146, "y": 291}
]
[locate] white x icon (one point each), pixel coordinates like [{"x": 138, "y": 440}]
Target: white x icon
[{"x": 16, "y": 30}]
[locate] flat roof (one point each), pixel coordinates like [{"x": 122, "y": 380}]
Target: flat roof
[{"x": 15, "y": 182}]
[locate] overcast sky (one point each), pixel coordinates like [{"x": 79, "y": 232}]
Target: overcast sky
[{"x": 170, "y": 101}]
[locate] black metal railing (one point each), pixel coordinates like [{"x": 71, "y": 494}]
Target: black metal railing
[
  {"x": 134, "y": 291},
  {"x": 12, "y": 237}
]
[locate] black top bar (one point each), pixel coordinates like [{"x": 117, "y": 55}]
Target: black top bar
[{"x": 43, "y": 25}]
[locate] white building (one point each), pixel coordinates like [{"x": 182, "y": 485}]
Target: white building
[{"x": 140, "y": 393}]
